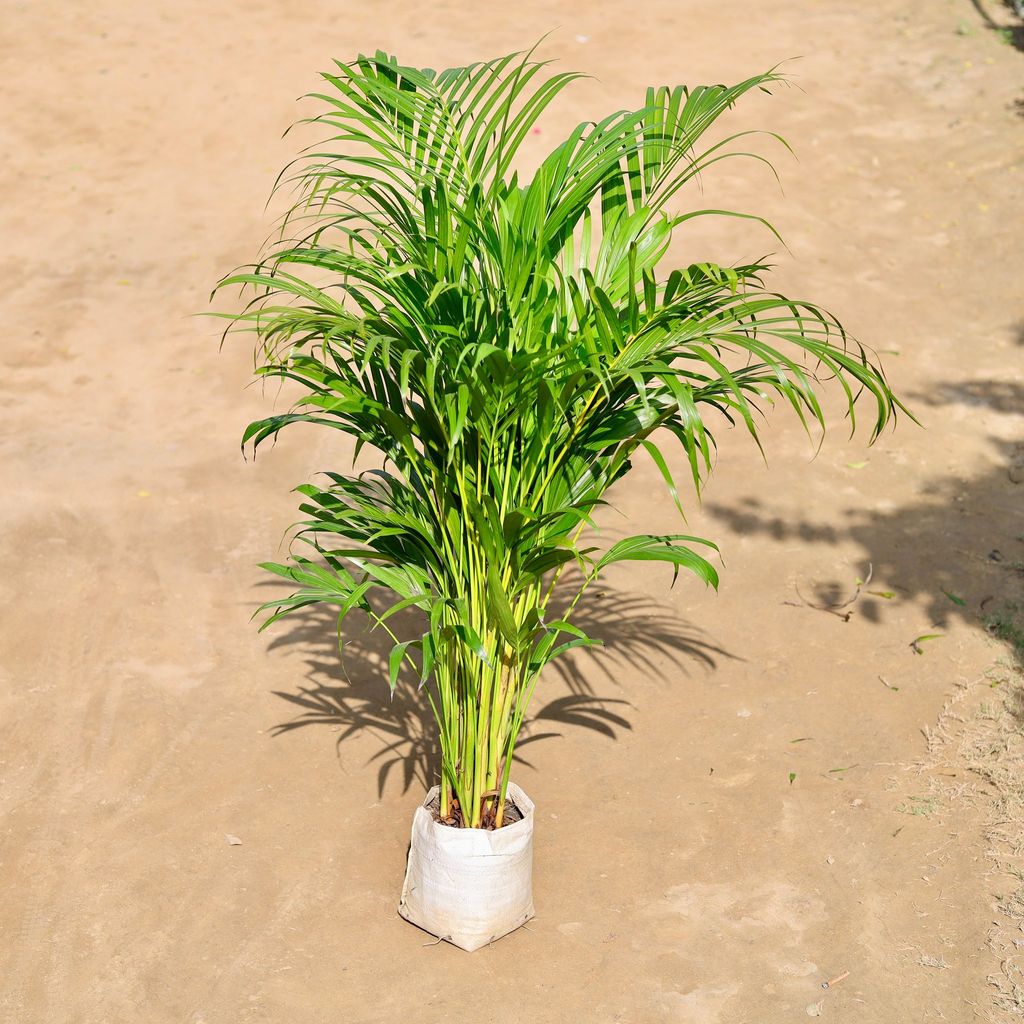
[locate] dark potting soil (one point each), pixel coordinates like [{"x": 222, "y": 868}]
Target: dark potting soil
[{"x": 512, "y": 815}]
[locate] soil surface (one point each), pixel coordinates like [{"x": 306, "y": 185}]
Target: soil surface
[
  {"x": 455, "y": 820},
  {"x": 204, "y": 825}
]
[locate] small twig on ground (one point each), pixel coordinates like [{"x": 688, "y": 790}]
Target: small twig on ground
[
  {"x": 833, "y": 609},
  {"x": 835, "y": 981}
]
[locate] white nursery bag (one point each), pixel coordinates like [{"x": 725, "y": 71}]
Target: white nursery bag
[{"x": 469, "y": 885}]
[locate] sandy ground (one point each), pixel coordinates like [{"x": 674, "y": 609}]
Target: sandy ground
[{"x": 694, "y": 862}]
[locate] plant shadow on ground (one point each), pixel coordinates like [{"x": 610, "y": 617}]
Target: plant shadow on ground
[
  {"x": 958, "y": 548},
  {"x": 349, "y": 691}
]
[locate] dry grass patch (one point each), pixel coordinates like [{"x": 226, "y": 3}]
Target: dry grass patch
[{"x": 981, "y": 728}]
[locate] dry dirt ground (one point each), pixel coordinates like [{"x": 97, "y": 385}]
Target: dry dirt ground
[{"x": 757, "y": 813}]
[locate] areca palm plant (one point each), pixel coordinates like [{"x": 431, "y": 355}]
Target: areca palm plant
[{"x": 507, "y": 346}]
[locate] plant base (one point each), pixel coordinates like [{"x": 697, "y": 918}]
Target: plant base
[{"x": 469, "y": 886}]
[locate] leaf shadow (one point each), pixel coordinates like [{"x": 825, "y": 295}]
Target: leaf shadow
[{"x": 348, "y": 691}]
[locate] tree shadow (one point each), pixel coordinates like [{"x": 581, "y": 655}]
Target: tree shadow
[
  {"x": 958, "y": 548},
  {"x": 1010, "y": 31},
  {"x": 1005, "y": 396},
  {"x": 350, "y": 692}
]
